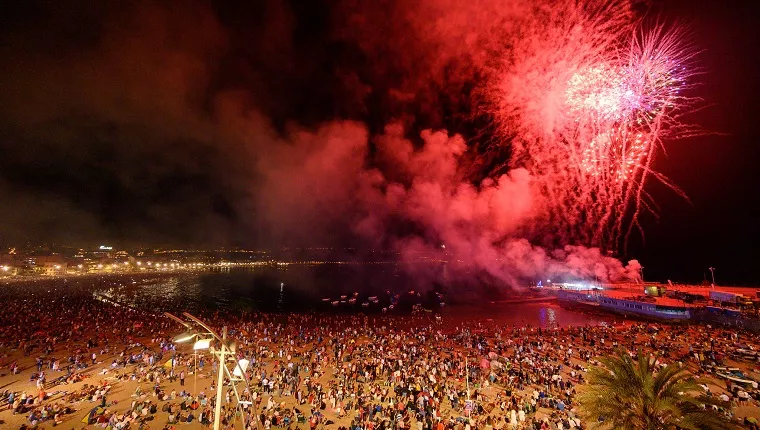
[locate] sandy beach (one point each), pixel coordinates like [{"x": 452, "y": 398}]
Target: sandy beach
[{"x": 81, "y": 363}]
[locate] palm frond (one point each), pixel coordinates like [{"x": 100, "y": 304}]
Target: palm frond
[{"x": 631, "y": 394}]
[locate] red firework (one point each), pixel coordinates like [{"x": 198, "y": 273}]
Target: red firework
[{"x": 587, "y": 97}]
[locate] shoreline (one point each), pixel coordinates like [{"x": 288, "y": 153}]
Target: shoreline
[{"x": 23, "y": 278}]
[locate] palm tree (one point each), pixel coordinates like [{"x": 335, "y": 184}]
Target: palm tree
[{"x": 628, "y": 394}]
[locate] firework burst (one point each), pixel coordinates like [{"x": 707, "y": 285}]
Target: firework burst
[{"x": 587, "y": 96}]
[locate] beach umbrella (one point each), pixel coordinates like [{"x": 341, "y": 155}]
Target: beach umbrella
[{"x": 98, "y": 410}]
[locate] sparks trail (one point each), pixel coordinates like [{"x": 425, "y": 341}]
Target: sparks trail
[{"x": 590, "y": 95}]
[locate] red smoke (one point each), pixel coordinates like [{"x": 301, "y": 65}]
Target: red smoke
[
  {"x": 153, "y": 75},
  {"x": 317, "y": 180}
]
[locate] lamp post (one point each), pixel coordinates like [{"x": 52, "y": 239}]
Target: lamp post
[
  {"x": 195, "y": 372},
  {"x": 712, "y": 272},
  {"x": 225, "y": 350},
  {"x": 220, "y": 380}
]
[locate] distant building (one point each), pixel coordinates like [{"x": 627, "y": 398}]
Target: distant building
[{"x": 49, "y": 264}]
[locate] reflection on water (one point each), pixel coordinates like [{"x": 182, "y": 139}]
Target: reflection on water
[
  {"x": 545, "y": 315},
  {"x": 273, "y": 289}
]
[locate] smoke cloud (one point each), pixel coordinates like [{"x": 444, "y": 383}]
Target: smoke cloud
[
  {"x": 318, "y": 184},
  {"x": 189, "y": 125}
]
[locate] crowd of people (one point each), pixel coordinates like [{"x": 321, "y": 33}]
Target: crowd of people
[{"x": 358, "y": 372}]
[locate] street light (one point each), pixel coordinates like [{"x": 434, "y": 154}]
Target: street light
[
  {"x": 225, "y": 350},
  {"x": 712, "y": 272},
  {"x": 202, "y": 344},
  {"x": 199, "y": 344},
  {"x": 184, "y": 337}
]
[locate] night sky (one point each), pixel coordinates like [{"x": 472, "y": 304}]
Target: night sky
[{"x": 154, "y": 123}]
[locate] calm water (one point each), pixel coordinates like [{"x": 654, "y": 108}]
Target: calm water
[{"x": 295, "y": 288}]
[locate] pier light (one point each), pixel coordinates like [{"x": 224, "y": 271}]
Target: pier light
[{"x": 712, "y": 272}]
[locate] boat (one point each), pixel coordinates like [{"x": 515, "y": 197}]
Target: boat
[
  {"x": 733, "y": 313},
  {"x": 577, "y": 299},
  {"x": 649, "y": 307},
  {"x": 723, "y": 369},
  {"x": 735, "y": 376},
  {"x": 746, "y": 354},
  {"x": 720, "y": 310}
]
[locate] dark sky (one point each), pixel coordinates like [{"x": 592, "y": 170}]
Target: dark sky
[
  {"x": 154, "y": 122},
  {"x": 720, "y": 225}
]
